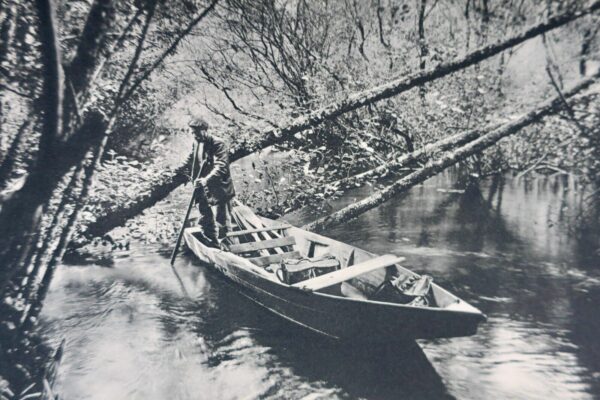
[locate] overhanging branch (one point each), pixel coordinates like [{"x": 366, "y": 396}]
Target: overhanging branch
[{"x": 401, "y": 85}]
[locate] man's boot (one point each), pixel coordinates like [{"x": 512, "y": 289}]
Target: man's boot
[{"x": 206, "y": 221}]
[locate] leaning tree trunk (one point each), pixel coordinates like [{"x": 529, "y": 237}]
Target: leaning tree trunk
[
  {"x": 448, "y": 159},
  {"x": 271, "y": 137},
  {"x": 419, "y": 155},
  {"x": 20, "y": 214}
]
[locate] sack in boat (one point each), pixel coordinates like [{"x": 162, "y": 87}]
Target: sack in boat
[
  {"x": 297, "y": 270},
  {"x": 411, "y": 285},
  {"x": 412, "y": 290}
]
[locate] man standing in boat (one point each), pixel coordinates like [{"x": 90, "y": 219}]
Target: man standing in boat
[{"x": 214, "y": 187}]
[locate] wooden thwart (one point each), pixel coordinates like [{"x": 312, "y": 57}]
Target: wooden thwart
[
  {"x": 274, "y": 258},
  {"x": 275, "y": 227},
  {"x": 248, "y": 220},
  {"x": 347, "y": 273},
  {"x": 263, "y": 244}
]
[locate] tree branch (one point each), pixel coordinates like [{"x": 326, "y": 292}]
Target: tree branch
[
  {"x": 99, "y": 20},
  {"x": 118, "y": 43},
  {"x": 166, "y": 53},
  {"x": 380, "y": 24},
  {"x": 6, "y": 86},
  {"x": 82, "y": 67},
  {"x": 136, "y": 54},
  {"x": 401, "y": 85},
  {"x": 568, "y": 107}
]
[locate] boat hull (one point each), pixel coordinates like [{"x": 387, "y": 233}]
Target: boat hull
[{"x": 335, "y": 316}]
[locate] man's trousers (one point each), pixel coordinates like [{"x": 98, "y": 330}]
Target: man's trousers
[{"x": 214, "y": 220}]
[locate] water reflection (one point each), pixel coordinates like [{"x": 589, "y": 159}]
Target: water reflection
[
  {"x": 326, "y": 368},
  {"x": 503, "y": 245},
  {"x": 131, "y": 333}
]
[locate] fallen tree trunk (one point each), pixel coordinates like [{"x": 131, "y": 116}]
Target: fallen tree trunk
[
  {"x": 448, "y": 159},
  {"x": 158, "y": 192},
  {"x": 422, "y": 154},
  {"x": 114, "y": 218}
]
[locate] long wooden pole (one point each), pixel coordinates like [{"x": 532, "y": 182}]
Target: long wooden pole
[{"x": 198, "y": 150}]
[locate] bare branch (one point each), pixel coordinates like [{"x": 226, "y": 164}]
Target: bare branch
[
  {"x": 6, "y": 86},
  {"x": 116, "y": 45},
  {"x": 567, "y": 106},
  {"x": 99, "y": 20},
  {"x": 380, "y": 24},
  {"x": 136, "y": 55},
  {"x": 167, "y": 52},
  {"x": 225, "y": 91}
]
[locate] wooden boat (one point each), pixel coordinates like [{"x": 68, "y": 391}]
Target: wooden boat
[{"x": 339, "y": 304}]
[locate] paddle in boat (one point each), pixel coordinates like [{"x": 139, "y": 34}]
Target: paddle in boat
[{"x": 330, "y": 287}]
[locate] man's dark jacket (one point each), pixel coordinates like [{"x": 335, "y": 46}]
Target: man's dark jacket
[{"x": 216, "y": 169}]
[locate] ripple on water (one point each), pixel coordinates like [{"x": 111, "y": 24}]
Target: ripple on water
[{"x": 513, "y": 360}]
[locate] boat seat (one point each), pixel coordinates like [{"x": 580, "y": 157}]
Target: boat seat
[
  {"x": 262, "y": 244},
  {"x": 344, "y": 274},
  {"x": 253, "y": 225},
  {"x": 313, "y": 244},
  {"x": 270, "y": 228}
]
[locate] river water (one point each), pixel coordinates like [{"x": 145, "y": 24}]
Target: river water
[{"x": 132, "y": 333}]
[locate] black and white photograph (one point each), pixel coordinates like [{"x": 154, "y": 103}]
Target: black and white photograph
[{"x": 299, "y": 199}]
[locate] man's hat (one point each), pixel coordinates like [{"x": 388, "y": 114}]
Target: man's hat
[{"x": 199, "y": 122}]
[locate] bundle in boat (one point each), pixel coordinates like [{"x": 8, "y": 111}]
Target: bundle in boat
[
  {"x": 412, "y": 290},
  {"x": 296, "y": 270}
]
